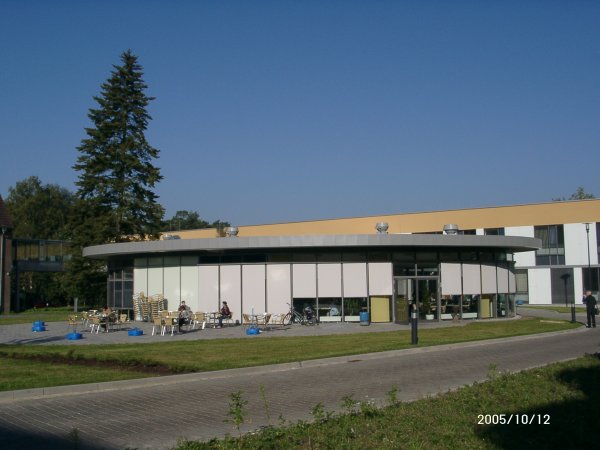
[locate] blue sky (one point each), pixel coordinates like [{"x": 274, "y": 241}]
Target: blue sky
[{"x": 273, "y": 111}]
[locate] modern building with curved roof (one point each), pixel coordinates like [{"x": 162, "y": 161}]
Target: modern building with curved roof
[{"x": 459, "y": 264}]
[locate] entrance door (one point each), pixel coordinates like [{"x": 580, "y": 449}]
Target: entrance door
[
  {"x": 422, "y": 291},
  {"x": 403, "y": 290}
]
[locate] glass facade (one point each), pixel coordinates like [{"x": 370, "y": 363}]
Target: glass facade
[
  {"x": 120, "y": 288},
  {"x": 337, "y": 285},
  {"x": 43, "y": 251}
]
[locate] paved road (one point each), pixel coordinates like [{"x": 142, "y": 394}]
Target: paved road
[{"x": 154, "y": 413}]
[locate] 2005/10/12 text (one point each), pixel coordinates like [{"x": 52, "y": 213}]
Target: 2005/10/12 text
[{"x": 515, "y": 419}]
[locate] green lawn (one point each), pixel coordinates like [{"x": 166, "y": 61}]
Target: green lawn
[
  {"x": 31, "y": 315},
  {"x": 547, "y": 407},
  {"x": 25, "y": 374},
  {"x": 126, "y": 360},
  {"x": 556, "y": 308}
]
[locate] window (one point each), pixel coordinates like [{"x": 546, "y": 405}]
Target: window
[
  {"x": 120, "y": 288},
  {"x": 493, "y": 231},
  {"x": 522, "y": 281},
  {"x": 552, "y": 252},
  {"x": 330, "y": 309},
  {"x": 590, "y": 277},
  {"x": 353, "y": 307},
  {"x": 562, "y": 285}
]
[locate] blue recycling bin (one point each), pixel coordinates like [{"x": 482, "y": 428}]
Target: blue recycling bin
[
  {"x": 364, "y": 318},
  {"x": 38, "y": 326}
]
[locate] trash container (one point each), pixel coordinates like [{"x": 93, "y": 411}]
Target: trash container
[
  {"x": 38, "y": 326},
  {"x": 74, "y": 336},
  {"x": 364, "y": 318}
]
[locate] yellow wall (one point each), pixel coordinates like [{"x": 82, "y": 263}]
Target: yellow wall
[{"x": 493, "y": 217}]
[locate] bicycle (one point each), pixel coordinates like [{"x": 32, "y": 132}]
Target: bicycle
[{"x": 306, "y": 318}]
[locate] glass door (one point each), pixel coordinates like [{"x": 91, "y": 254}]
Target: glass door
[
  {"x": 404, "y": 289},
  {"x": 422, "y": 291}
]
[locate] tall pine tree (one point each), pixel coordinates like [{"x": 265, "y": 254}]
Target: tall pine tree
[
  {"x": 116, "y": 168},
  {"x": 115, "y": 201}
]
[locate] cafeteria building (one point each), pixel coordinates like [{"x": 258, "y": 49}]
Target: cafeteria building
[{"x": 457, "y": 264}]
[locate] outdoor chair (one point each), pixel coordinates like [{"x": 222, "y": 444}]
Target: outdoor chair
[
  {"x": 276, "y": 319},
  {"x": 170, "y": 321},
  {"x": 266, "y": 319},
  {"x": 72, "y": 323},
  {"x": 198, "y": 318},
  {"x": 157, "y": 325},
  {"x": 85, "y": 319},
  {"x": 97, "y": 322},
  {"x": 121, "y": 320},
  {"x": 246, "y": 321}
]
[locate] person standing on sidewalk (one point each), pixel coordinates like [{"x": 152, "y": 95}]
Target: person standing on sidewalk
[{"x": 590, "y": 309}]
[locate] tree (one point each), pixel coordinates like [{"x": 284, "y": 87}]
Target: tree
[
  {"x": 190, "y": 220},
  {"x": 115, "y": 198},
  {"x": 39, "y": 211},
  {"x": 117, "y": 175},
  {"x": 579, "y": 194}
]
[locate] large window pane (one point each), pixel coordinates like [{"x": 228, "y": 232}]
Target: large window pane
[
  {"x": 330, "y": 309},
  {"x": 553, "y": 245},
  {"x": 353, "y": 307},
  {"x": 562, "y": 286}
]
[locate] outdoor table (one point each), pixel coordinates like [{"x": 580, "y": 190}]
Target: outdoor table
[{"x": 213, "y": 318}]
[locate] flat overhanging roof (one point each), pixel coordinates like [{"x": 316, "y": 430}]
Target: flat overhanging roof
[{"x": 513, "y": 244}]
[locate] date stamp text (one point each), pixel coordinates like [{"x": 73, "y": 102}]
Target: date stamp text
[{"x": 514, "y": 419}]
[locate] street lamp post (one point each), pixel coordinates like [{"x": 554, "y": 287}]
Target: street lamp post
[
  {"x": 2, "y": 256},
  {"x": 589, "y": 280},
  {"x": 565, "y": 277}
]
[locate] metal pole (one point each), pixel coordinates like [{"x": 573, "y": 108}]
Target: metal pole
[
  {"x": 2, "y": 270},
  {"x": 414, "y": 325},
  {"x": 589, "y": 281}
]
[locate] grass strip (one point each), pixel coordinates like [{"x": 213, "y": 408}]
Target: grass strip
[
  {"x": 207, "y": 355},
  {"x": 45, "y": 315},
  {"x": 555, "y": 308},
  {"x": 549, "y": 407},
  {"x": 19, "y": 373}
]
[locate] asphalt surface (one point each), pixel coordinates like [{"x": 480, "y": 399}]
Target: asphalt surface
[{"x": 154, "y": 413}]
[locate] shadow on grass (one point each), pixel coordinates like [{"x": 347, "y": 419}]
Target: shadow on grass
[{"x": 570, "y": 424}]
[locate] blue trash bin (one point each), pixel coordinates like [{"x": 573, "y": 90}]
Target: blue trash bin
[
  {"x": 364, "y": 318},
  {"x": 38, "y": 326}
]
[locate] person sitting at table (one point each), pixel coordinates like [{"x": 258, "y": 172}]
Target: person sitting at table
[
  {"x": 184, "y": 314},
  {"x": 225, "y": 313},
  {"x": 106, "y": 316}
]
